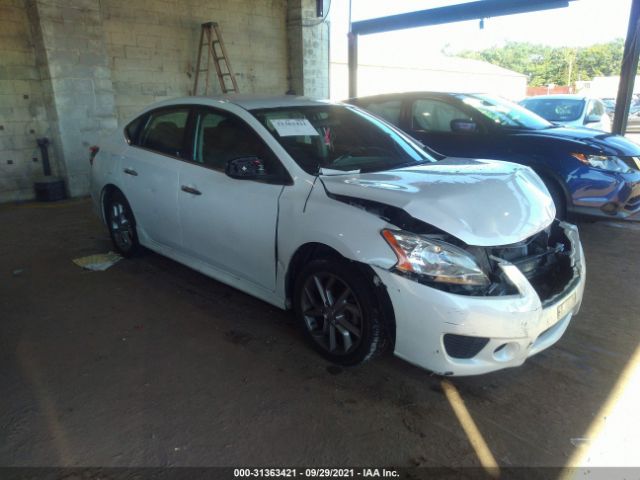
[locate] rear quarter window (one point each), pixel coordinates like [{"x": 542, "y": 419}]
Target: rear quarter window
[
  {"x": 165, "y": 130},
  {"x": 132, "y": 129}
]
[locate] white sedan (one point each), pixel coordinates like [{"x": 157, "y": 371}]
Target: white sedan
[
  {"x": 457, "y": 265},
  {"x": 570, "y": 110}
]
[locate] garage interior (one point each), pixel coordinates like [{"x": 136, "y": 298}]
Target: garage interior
[{"x": 151, "y": 364}]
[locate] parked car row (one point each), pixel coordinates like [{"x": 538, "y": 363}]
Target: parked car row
[
  {"x": 633, "y": 121},
  {"x": 587, "y": 172},
  {"x": 400, "y": 227}
]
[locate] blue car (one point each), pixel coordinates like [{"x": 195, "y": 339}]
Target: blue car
[{"x": 587, "y": 172}]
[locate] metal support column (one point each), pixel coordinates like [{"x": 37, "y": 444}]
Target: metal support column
[
  {"x": 353, "y": 65},
  {"x": 628, "y": 70}
]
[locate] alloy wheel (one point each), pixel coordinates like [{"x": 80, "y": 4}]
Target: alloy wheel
[
  {"x": 332, "y": 313},
  {"x": 121, "y": 226}
]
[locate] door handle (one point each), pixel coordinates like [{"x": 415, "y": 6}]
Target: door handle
[
  {"x": 191, "y": 190},
  {"x": 130, "y": 171}
]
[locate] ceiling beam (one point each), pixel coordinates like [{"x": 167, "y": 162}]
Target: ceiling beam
[
  {"x": 436, "y": 16},
  {"x": 453, "y": 13}
]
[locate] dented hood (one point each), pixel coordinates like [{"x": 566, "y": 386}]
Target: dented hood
[{"x": 481, "y": 202}]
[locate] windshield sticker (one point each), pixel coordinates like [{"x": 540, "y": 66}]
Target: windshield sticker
[{"x": 293, "y": 127}]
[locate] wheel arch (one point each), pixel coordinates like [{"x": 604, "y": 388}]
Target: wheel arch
[
  {"x": 316, "y": 250},
  {"x": 107, "y": 193},
  {"x": 549, "y": 176}
]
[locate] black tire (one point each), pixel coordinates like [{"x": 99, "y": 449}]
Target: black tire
[
  {"x": 122, "y": 225},
  {"x": 318, "y": 318},
  {"x": 559, "y": 199}
]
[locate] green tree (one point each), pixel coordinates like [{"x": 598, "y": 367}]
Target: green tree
[{"x": 558, "y": 65}]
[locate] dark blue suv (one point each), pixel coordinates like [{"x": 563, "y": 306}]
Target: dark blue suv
[{"x": 587, "y": 172}]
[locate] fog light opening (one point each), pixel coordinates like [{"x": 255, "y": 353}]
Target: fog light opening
[
  {"x": 506, "y": 352},
  {"x": 499, "y": 348},
  {"x": 609, "y": 208}
]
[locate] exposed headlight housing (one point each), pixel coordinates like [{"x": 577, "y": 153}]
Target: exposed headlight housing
[
  {"x": 434, "y": 260},
  {"x": 604, "y": 162}
]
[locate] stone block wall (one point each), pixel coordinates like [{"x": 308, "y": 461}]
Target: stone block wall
[
  {"x": 23, "y": 115},
  {"x": 72, "y": 69},
  {"x": 152, "y": 48}
]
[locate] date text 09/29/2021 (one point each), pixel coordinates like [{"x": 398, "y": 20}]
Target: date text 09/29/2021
[{"x": 315, "y": 472}]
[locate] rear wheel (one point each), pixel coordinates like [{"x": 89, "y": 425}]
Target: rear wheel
[
  {"x": 337, "y": 309},
  {"x": 122, "y": 225}
]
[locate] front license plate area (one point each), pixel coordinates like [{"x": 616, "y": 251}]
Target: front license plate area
[{"x": 565, "y": 306}]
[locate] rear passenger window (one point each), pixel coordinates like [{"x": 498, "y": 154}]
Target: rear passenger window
[
  {"x": 389, "y": 110},
  {"x": 164, "y": 132}
]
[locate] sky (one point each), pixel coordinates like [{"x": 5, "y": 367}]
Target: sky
[{"x": 583, "y": 23}]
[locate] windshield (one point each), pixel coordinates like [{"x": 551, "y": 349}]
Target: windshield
[
  {"x": 505, "y": 113},
  {"x": 339, "y": 139},
  {"x": 556, "y": 109}
]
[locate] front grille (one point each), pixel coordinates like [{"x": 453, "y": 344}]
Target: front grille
[{"x": 460, "y": 346}]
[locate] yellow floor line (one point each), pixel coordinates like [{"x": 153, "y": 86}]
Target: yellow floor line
[{"x": 476, "y": 439}]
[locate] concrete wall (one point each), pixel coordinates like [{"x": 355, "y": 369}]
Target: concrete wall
[
  {"x": 152, "y": 50},
  {"x": 23, "y": 115},
  {"x": 72, "y": 69},
  {"x": 308, "y": 49}
]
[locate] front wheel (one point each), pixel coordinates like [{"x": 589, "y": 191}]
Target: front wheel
[
  {"x": 122, "y": 225},
  {"x": 337, "y": 309}
]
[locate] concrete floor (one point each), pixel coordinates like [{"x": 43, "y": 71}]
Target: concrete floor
[{"x": 150, "y": 363}]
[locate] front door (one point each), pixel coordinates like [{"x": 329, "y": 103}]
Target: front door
[{"x": 227, "y": 222}]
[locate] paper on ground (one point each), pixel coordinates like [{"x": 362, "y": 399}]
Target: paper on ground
[{"x": 98, "y": 262}]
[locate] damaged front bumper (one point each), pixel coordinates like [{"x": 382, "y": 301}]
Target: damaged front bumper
[{"x": 453, "y": 334}]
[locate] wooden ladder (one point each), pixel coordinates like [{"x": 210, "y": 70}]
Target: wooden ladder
[{"x": 211, "y": 37}]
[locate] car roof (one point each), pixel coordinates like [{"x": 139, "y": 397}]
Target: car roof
[
  {"x": 560, "y": 96},
  {"x": 411, "y": 94},
  {"x": 248, "y": 102}
]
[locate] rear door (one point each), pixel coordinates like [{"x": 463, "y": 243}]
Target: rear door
[
  {"x": 151, "y": 168},
  {"x": 227, "y": 222}
]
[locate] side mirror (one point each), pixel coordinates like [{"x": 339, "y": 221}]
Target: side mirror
[
  {"x": 464, "y": 126},
  {"x": 591, "y": 119},
  {"x": 245, "y": 168}
]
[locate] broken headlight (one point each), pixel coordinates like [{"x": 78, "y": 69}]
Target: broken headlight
[{"x": 436, "y": 260}]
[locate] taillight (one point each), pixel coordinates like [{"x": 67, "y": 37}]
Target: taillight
[{"x": 93, "y": 151}]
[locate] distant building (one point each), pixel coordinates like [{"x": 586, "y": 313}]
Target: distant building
[
  {"x": 604, "y": 87},
  {"x": 441, "y": 73}
]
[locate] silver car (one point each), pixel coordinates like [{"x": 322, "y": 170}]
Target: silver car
[{"x": 570, "y": 110}]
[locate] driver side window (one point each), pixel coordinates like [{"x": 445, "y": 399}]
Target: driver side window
[
  {"x": 435, "y": 116},
  {"x": 221, "y": 137}
]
